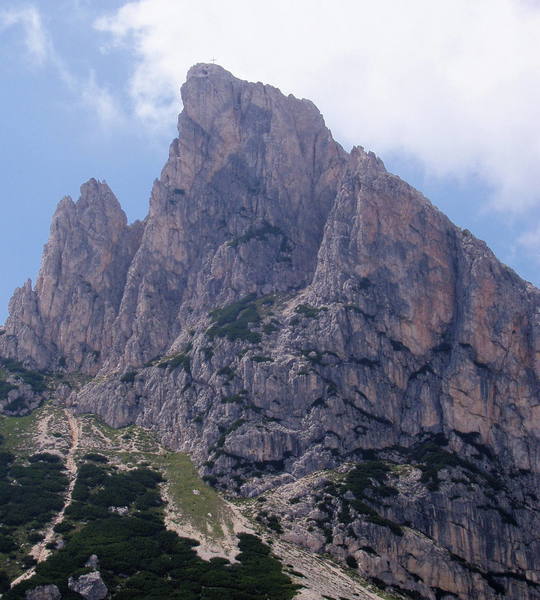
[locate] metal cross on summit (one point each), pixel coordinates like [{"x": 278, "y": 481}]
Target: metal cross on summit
[{"x": 213, "y": 61}]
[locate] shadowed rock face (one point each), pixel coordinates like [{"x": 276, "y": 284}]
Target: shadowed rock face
[{"x": 286, "y": 307}]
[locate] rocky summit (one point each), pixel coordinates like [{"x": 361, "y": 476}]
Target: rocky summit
[{"x": 314, "y": 333}]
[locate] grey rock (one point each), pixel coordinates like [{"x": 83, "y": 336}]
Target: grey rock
[
  {"x": 44, "y": 592},
  {"x": 66, "y": 320},
  {"x": 119, "y": 510},
  {"x": 89, "y": 586},
  {"x": 367, "y": 322},
  {"x": 92, "y": 562}
]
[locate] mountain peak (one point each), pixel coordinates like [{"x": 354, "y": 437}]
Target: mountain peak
[
  {"x": 287, "y": 308},
  {"x": 206, "y": 70}
]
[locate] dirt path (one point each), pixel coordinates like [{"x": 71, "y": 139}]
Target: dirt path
[{"x": 40, "y": 552}]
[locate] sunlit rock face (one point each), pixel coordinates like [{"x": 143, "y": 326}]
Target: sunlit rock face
[{"x": 288, "y": 307}]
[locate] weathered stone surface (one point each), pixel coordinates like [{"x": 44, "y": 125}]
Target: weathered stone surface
[
  {"x": 44, "y": 592},
  {"x": 92, "y": 562},
  {"x": 21, "y": 390},
  {"x": 286, "y": 307},
  {"x": 240, "y": 208},
  {"x": 67, "y": 320},
  {"x": 89, "y": 586}
]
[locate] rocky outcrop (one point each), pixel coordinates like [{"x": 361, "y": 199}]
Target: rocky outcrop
[
  {"x": 89, "y": 586},
  {"x": 92, "y": 562},
  {"x": 409, "y": 519},
  {"x": 287, "y": 307},
  {"x": 66, "y": 321},
  {"x": 21, "y": 390},
  {"x": 240, "y": 208},
  {"x": 44, "y": 592}
]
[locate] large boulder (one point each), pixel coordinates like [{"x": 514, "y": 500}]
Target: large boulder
[
  {"x": 44, "y": 592},
  {"x": 89, "y": 586}
]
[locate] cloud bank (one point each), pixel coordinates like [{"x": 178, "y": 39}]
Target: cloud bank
[{"x": 453, "y": 84}]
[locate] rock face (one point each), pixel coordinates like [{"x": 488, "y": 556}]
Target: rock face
[
  {"x": 288, "y": 307},
  {"x": 21, "y": 390},
  {"x": 89, "y": 586},
  {"x": 67, "y": 320}
]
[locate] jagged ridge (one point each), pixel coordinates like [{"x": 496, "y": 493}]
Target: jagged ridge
[{"x": 286, "y": 307}]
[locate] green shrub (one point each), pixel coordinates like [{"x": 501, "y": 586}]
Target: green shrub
[
  {"x": 34, "y": 379},
  {"x": 260, "y": 233},
  {"x": 95, "y": 457},
  {"x": 274, "y": 524},
  {"x": 239, "y": 398},
  {"x": 63, "y": 527},
  {"x": 31, "y": 493},
  {"x": 227, "y": 372},
  {"x": 128, "y": 377},
  {"x": 138, "y": 557},
  {"x": 260, "y": 359},
  {"x": 45, "y": 457},
  {"x": 234, "y": 321},
  {"x": 269, "y": 328},
  {"x": 175, "y": 361},
  {"x": 308, "y": 311},
  {"x": 5, "y": 388},
  {"x": 16, "y": 405},
  {"x": 351, "y": 562}
]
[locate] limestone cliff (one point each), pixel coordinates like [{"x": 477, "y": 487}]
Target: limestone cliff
[
  {"x": 287, "y": 307},
  {"x": 66, "y": 321}
]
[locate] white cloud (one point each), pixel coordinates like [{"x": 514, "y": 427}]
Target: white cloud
[
  {"x": 35, "y": 37},
  {"x": 99, "y": 99},
  {"x": 40, "y": 47},
  {"x": 453, "y": 83}
]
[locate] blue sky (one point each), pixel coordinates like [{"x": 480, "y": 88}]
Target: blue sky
[{"x": 447, "y": 96}]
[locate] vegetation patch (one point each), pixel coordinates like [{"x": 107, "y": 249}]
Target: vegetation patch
[
  {"x": 308, "y": 311},
  {"x": 260, "y": 359},
  {"x": 128, "y": 377},
  {"x": 5, "y": 388},
  {"x": 314, "y": 357},
  {"x": 370, "y": 475},
  {"x": 34, "y": 379},
  {"x": 227, "y": 372},
  {"x": 368, "y": 482},
  {"x": 271, "y": 327},
  {"x": 16, "y": 433},
  {"x": 235, "y": 320},
  {"x": 431, "y": 458},
  {"x": 204, "y": 509},
  {"x": 140, "y": 558},
  {"x": 271, "y": 521},
  {"x": 175, "y": 361},
  {"x": 30, "y": 494},
  {"x": 259, "y": 233}
]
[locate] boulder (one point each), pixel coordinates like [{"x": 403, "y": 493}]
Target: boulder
[
  {"x": 89, "y": 586},
  {"x": 44, "y": 592}
]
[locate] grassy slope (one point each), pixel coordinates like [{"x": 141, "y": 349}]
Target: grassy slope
[{"x": 204, "y": 511}]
